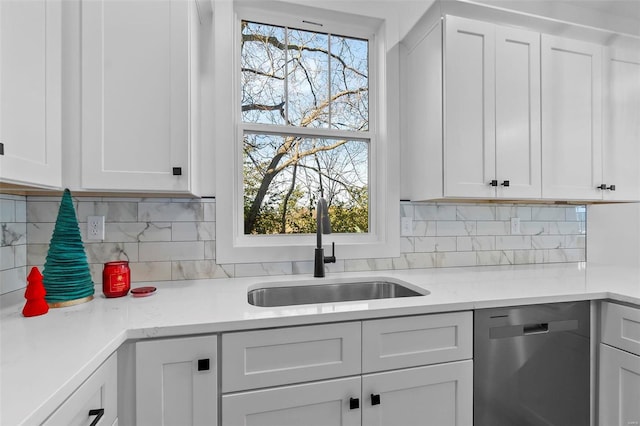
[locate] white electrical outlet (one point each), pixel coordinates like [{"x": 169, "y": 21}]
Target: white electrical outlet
[
  {"x": 406, "y": 226},
  {"x": 95, "y": 228},
  {"x": 515, "y": 225}
]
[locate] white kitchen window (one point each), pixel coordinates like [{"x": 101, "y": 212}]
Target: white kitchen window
[{"x": 309, "y": 116}]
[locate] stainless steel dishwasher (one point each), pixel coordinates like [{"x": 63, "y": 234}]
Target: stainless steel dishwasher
[{"x": 531, "y": 365}]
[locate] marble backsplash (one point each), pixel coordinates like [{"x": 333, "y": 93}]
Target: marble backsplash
[
  {"x": 13, "y": 244},
  {"x": 174, "y": 239}
]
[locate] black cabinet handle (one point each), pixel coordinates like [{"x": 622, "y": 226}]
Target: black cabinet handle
[
  {"x": 612, "y": 187},
  {"x": 1, "y": 148},
  {"x": 354, "y": 403},
  {"x": 98, "y": 413},
  {"x": 493, "y": 183},
  {"x": 375, "y": 399},
  {"x": 177, "y": 171},
  {"x": 603, "y": 187},
  {"x": 203, "y": 364},
  {"x": 505, "y": 183}
]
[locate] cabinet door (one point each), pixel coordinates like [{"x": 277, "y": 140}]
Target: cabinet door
[
  {"x": 135, "y": 95},
  {"x": 518, "y": 113},
  {"x": 95, "y": 400},
  {"x": 30, "y": 92},
  {"x": 469, "y": 105},
  {"x": 621, "y": 149},
  {"x": 325, "y": 403},
  {"x": 176, "y": 382},
  {"x": 619, "y": 391},
  {"x": 571, "y": 119},
  {"x": 438, "y": 395}
]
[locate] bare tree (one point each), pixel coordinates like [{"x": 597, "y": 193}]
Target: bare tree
[{"x": 305, "y": 79}]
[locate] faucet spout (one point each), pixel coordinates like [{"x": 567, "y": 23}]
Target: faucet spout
[{"x": 323, "y": 226}]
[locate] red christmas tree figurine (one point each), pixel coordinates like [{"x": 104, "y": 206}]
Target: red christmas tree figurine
[{"x": 36, "y": 305}]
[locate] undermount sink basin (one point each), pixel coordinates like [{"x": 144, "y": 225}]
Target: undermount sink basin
[{"x": 302, "y": 293}]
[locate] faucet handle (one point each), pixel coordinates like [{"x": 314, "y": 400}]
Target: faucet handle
[{"x": 332, "y": 258}]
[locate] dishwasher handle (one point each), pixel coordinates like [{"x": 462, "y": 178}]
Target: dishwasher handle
[
  {"x": 532, "y": 329},
  {"x": 537, "y": 328}
]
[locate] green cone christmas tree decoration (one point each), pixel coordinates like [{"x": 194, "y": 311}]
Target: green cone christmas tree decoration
[{"x": 66, "y": 271}]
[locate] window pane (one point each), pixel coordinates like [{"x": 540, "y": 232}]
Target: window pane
[
  {"x": 349, "y": 84},
  {"x": 283, "y": 175},
  {"x": 308, "y": 79},
  {"x": 263, "y": 73},
  {"x": 304, "y": 78}
]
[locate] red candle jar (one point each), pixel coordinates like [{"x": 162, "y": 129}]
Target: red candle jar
[{"x": 116, "y": 279}]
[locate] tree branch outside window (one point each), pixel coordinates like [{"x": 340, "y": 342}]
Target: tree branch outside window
[{"x": 311, "y": 80}]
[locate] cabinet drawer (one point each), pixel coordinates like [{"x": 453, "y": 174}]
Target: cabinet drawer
[
  {"x": 412, "y": 341},
  {"x": 262, "y": 358},
  {"x": 98, "y": 392},
  {"x": 621, "y": 327}
]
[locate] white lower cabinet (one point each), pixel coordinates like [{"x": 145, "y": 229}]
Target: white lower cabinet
[
  {"x": 440, "y": 394},
  {"x": 398, "y": 371},
  {"x": 325, "y": 403},
  {"x": 94, "y": 403},
  {"x": 432, "y": 395},
  {"x": 619, "y": 366},
  {"x": 177, "y": 382},
  {"x": 619, "y": 387}
]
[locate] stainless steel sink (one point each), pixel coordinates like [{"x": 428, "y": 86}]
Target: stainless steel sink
[{"x": 331, "y": 291}]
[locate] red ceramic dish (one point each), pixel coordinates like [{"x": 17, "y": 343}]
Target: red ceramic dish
[{"x": 143, "y": 291}]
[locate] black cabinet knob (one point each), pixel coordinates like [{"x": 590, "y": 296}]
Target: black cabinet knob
[
  {"x": 354, "y": 403},
  {"x": 204, "y": 364},
  {"x": 99, "y": 412},
  {"x": 505, "y": 183},
  {"x": 603, "y": 187},
  {"x": 612, "y": 187},
  {"x": 493, "y": 183},
  {"x": 177, "y": 171},
  {"x": 375, "y": 399}
]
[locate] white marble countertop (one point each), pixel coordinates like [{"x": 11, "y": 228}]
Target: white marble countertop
[{"x": 43, "y": 359}]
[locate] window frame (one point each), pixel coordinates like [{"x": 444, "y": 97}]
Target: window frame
[{"x": 232, "y": 245}]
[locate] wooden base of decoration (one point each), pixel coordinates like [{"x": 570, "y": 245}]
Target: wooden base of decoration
[{"x": 70, "y": 302}]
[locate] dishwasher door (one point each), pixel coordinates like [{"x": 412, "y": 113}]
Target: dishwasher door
[{"x": 531, "y": 365}]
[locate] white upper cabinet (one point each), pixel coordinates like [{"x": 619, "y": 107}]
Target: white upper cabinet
[
  {"x": 492, "y": 111},
  {"x": 498, "y": 112},
  {"x": 621, "y": 125},
  {"x": 469, "y": 112},
  {"x": 571, "y": 119},
  {"x": 30, "y": 92},
  {"x": 518, "y": 113},
  {"x": 136, "y": 95},
  {"x": 489, "y": 112}
]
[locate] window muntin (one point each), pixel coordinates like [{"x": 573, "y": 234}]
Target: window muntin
[{"x": 319, "y": 82}]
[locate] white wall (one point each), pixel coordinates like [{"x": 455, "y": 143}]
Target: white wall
[{"x": 613, "y": 236}]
